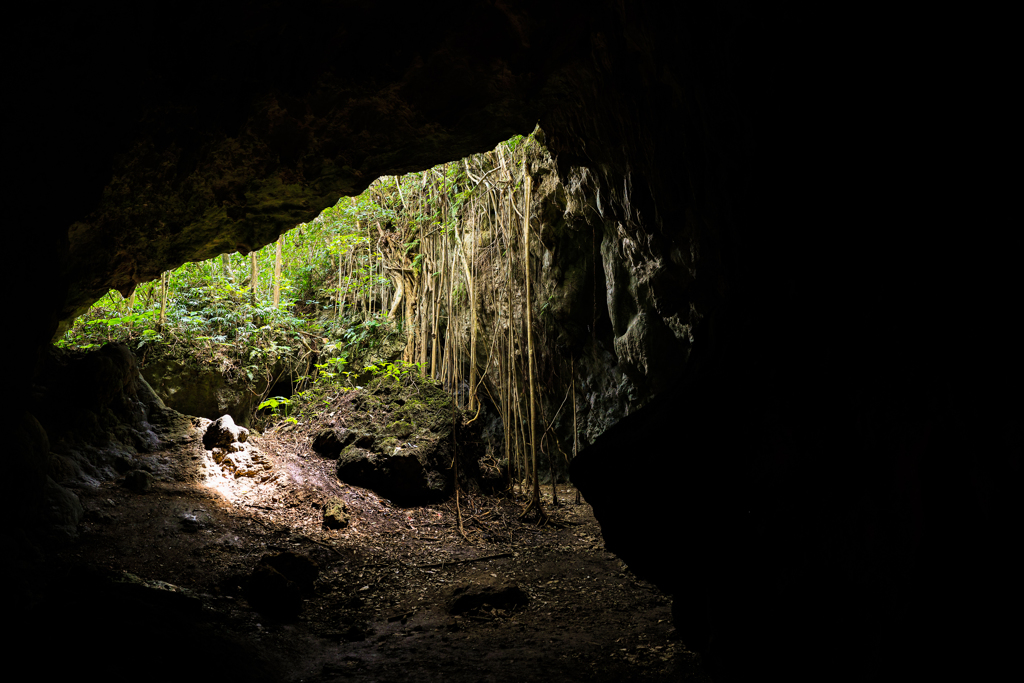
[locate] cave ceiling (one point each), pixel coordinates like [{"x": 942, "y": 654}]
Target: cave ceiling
[{"x": 160, "y": 137}]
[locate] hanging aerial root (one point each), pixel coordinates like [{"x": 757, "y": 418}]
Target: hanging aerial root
[{"x": 458, "y": 512}]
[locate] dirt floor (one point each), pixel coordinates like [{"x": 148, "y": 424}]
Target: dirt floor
[{"x": 379, "y": 608}]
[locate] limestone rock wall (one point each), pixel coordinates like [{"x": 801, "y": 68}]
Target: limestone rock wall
[{"x": 599, "y": 323}]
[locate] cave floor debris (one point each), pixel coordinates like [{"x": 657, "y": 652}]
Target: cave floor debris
[{"x": 378, "y": 609}]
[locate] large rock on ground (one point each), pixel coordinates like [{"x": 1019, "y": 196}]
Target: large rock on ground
[
  {"x": 63, "y": 509},
  {"x": 223, "y": 432},
  {"x": 277, "y": 584},
  {"x": 95, "y": 416},
  {"x": 401, "y": 441},
  {"x": 406, "y": 477}
]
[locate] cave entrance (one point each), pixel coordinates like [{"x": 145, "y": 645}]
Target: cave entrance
[
  {"x": 422, "y": 273},
  {"x": 363, "y": 509}
]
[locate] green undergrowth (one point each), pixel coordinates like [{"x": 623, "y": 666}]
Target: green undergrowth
[
  {"x": 393, "y": 388},
  {"x": 216, "y": 327}
]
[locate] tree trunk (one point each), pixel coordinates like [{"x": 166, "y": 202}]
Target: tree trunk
[
  {"x": 399, "y": 292},
  {"x": 411, "y": 313},
  {"x": 425, "y": 306},
  {"x": 425, "y": 309},
  {"x": 253, "y": 275},
  {"x": 339, "y": 305},
  {"x": 434, "y": 369},
  {"x": 575, "y": 433},
  {"x": 472, "y": 299},
  {"x": 225, "y": 267},
  {"x": 164, "y": 277},
  {"x": 277, "y": 271}
]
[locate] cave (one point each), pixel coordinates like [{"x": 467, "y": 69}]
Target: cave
[{"x": 827, "y": 455}]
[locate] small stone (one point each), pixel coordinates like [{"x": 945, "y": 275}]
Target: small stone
[
  {"x": 336, "y": 515},
  {"x": 472, "y": 596},
  {"x": 138, "y": 481},
  {"x": 272, "y": 594},
  {"x": 298, "y": 568}
]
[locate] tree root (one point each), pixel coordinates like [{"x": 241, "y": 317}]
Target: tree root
[{"x": 542, "y": 517}]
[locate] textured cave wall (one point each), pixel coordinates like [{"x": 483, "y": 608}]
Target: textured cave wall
[
  {"x": 828, "y": 456},
  {"x": 597, "y": 329}
]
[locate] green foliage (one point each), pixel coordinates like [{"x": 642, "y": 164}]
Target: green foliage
[
  {"x": 274, "y": 403},
  {"x": 395, "y": 371},
  {"x": 335, "y": 287}
]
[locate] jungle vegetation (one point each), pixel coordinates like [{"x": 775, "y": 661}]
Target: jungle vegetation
[{"x": 403, "y": 266}]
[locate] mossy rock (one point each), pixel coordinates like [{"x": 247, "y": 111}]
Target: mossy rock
[
  {"x": 336, "y": 514},
  {"x": 410, "y": 460},
  {"x": 401, "y": 477}
]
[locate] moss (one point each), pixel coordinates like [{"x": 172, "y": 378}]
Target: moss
[
  {"x": 336, "y": 514},
  {"x": 401, "y": 430}
]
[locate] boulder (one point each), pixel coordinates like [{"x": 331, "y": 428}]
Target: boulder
[
  {"x": 223, "y": 432},
  {"x": 474, "y": 596},
  {"x": 405, "y": 442},
  {"x": 139, "y": 481},
  {"x": 272, "y": 594},
  {"x": 148, "y": 395},
  {"x": 242, "y": 460},
  {"x": 105, "y": 374},
  {"x": 63, "y": 509},
  {"x": 276, "y": 585},
  {"x": 203, "y": 391},
  {"x": 298, "y": 568},
  {"x": 404, "y": 476},
  {"x": 155, "y": 593}
]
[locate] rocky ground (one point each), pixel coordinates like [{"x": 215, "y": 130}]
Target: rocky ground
[{"x": 219, "y": 566}]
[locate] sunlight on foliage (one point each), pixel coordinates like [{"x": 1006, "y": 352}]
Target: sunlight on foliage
[{"x": 340, "y": 286}]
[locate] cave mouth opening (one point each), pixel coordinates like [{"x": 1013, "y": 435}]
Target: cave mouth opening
[
  {"x": 422, "y": 270},
  {"x": 244, "y": 523}
]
